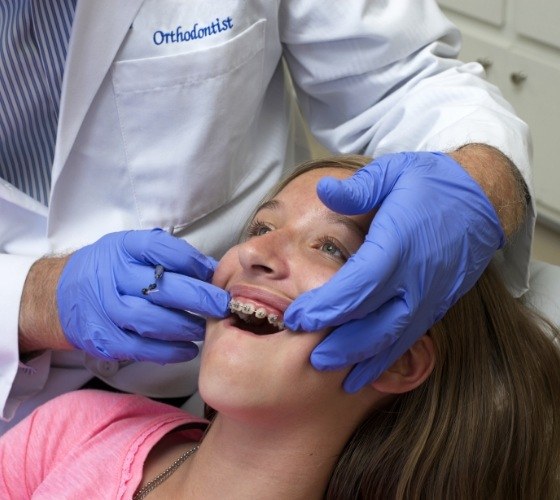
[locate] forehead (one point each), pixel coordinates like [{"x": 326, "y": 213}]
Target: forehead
[
  {"x": 307, "y": 182},
  {"x": 300, "y": 198}
]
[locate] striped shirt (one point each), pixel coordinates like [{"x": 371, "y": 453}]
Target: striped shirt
[{"x": 34, "y": 37}]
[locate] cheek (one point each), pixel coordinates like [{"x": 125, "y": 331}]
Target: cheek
[
  {"x": 225, "y": 268},
  {"x": 315, "y": 272}
]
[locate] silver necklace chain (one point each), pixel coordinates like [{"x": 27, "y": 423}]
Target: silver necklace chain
[{"x": 160, "y": 478}]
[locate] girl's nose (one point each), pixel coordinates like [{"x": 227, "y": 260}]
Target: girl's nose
[{"x": 266, "y": 254}]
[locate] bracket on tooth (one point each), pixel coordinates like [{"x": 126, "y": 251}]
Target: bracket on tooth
[
  {"x": 273, "y": 320},
  {"x": 234, "y": 306},
  {"x": 245, "y": 311},
  {"x": 248, "y": 309}
]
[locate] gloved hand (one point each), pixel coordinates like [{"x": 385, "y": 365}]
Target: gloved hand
[
  {"x": 103, "y": 311},
  {"x": 431, "y": 239}
]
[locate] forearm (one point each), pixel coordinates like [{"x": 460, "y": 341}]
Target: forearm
[
  {"x": 39, "y": 326},
  {"x": 500, "y": 180}
]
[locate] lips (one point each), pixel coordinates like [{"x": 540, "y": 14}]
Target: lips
[
  {"x": 257, "y": 310},
  {"x": 261, "y": 297}
]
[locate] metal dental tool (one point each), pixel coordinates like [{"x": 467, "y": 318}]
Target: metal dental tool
[{"x": 158, "y": 272}]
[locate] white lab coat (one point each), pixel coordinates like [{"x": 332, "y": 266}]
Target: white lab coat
[{"x": 192, "y": 132}]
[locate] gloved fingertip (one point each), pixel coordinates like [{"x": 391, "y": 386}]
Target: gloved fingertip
[
  {"x": 222, "y": 310},
  {"x": 291, "y": 323},
  {"x": 196, "y": 333},
  {"x": 331, "y": 192},
  {"x": 324, "y": 361},
  {"x": 291, "y": 317},
  {"x": 212, "y": 263},
  {"x": 213, "y": 302},
  {"x": 186, "y": 352},
  {"x": 297, "y": 323},
  {"x": 351, "y": 196},
  {"x": 350, "y": 386},
  {"x": 328, "y": 185},
  {"x": 361, "y": 375},
  {"x": 301, "y": 314}
]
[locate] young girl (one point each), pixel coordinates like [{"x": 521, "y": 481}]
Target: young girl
[{"x": 471, "y": 410}]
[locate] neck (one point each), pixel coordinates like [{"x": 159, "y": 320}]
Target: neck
[{"x": 245, "y": 460}]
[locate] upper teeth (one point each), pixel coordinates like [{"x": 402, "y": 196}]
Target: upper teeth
[{"x": 246, "y": 310}]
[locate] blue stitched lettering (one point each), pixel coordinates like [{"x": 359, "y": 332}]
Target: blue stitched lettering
[
  {"x": 158, "y": 35},
  {"x": 179, "y": 35}
]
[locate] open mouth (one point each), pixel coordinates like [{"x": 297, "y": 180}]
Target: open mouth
[{"x": 255, "y": 319}]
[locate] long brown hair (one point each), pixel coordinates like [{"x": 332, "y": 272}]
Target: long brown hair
[{"x": 486, "y": 423}]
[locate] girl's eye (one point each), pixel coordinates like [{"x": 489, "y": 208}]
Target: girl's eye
[
  {"x": 329, "y": 246},
  {"x": 257, "y": 228}
]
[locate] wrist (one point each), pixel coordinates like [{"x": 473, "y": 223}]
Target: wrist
[
  {"x": 500, "y": 180},
  {"x": 39, "y": 324}
]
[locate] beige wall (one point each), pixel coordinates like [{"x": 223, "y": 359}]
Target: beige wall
[{"x": 546, "y": 245}]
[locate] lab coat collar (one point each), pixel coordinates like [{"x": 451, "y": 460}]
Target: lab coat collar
[{"x": 91, "y": 51}]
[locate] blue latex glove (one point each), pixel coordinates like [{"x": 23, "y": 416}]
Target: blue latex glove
[
  {"x": 103, "y": 311},
  {"x": 431, "y": 239}
]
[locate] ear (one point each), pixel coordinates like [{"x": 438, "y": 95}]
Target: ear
[{"x": 410, "y": 370}]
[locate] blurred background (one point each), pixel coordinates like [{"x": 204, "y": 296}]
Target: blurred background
[{"x": 518, "y": 44}]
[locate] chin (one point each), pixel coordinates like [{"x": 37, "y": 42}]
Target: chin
[{"x": 224, "y": 384}]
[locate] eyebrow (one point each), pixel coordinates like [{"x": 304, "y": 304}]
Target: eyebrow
[
  {"x": 351, "y": 224},
  {"x": 269, "y": 205},
  {"x": 333, "y": 218}
]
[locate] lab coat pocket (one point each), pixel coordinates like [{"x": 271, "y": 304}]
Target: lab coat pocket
[{"x": 183, "y": 120}]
